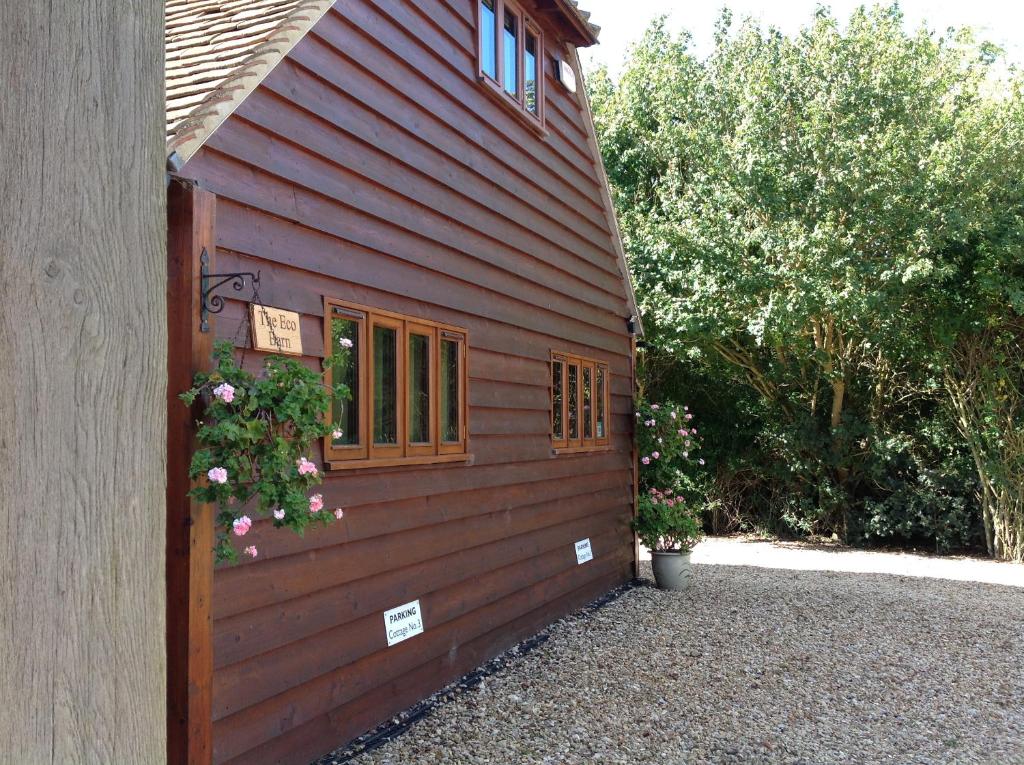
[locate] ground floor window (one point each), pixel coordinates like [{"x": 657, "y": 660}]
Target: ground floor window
[
  {"x": 408, "y": 381},
  {"x": 580, "y": 402}
]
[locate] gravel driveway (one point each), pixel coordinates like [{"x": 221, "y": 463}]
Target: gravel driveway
[{"x": 779, "y": 653}]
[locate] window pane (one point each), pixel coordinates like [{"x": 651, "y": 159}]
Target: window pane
[
  {"x": 488, "y": 49},
  {"x": 574, "y": 419},
  {"x": 385, "y": 385},
  {"x": 419, "y": 389},
  {"x": 588, "y": 397},
  {"x": 530, "y": 73},
  {"x": 601, "y": 430},
  {"x": 450, "y": 391},
  {"x": 557, "y": 426},
  {"x": 510, "y": 59},
  {"x": 345, "y": 412}
]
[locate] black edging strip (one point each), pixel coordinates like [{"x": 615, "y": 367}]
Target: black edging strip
[{"x": 401, "y": 722}]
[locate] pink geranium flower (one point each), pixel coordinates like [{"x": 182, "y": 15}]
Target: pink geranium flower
[
  {"x": 339, "y": 513},
  {"x": 316, "y": 503},
  {"x": 337, "y": 434},
  {"x": 251, "y": 551},
  {"x": 306, "y": 467},
  {"x": 242, "y": 525},
  {"x": 345, "y": 343},
  {"x": 701, "y": 462},
  {"x": 656, "y": 455},
  {"x": 689, "y": 416},
  {"x": 225, "y": 392},
  {"x": 218, "y": 475},
  {"x": 279, "y": 513},
  {"x": 646, "y": 460},
  {"x": 655, "y": 407}
]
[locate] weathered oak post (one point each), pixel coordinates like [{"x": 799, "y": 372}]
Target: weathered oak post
[{"x": 84, "y": 374}]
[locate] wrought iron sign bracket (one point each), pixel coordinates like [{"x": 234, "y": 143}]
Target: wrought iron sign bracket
[{"x": 210, "y": 303}]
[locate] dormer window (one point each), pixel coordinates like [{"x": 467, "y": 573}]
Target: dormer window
[{"x": 511, "y": 58}]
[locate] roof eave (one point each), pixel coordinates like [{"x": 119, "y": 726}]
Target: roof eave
[{"x": 581, "y": 33}]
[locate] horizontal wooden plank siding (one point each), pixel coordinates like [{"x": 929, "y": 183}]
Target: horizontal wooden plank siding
[{"x": 370, "y": 166}]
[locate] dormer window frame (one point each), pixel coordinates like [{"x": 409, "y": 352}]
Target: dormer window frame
[{"x": 494, "y": 83}]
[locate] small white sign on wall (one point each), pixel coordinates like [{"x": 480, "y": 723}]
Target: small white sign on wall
[
  {"x": 403, "y": 622},
  {"x": 583, "y": 551}
]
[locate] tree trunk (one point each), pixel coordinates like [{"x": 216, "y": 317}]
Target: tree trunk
[
  {"x": 82, "y": 416},
  {"x": 838, "y": 393}
]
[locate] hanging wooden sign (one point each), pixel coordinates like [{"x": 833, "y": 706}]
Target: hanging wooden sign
[{"x": 275, "y": 330}]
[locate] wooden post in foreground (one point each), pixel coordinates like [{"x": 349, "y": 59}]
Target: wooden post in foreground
[{"x": 82, "y": 382}]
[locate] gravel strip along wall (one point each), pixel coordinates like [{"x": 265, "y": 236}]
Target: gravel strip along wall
[{"x": 753, "y": 665}]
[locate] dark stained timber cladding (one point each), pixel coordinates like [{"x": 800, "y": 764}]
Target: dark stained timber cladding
[{"x": 371, "y": 167}]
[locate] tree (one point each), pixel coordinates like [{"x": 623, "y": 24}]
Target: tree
[{"x": 791, "y": 207}]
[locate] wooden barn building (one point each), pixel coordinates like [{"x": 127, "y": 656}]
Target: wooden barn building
[{"x": 423, "y": 178}]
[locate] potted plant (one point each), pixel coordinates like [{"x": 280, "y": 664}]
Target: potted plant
[
  {"x": 667, "y": 444},
  {"x": 669, "y": 528}
]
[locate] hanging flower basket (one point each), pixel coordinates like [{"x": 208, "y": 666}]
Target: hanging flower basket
[{"x": 254, "y": 442}]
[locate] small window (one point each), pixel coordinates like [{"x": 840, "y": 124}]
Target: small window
[
  {"x": 558, "y": 402},
  {"x": 574, "y": 404},
  {"x": 405, "y": 376},
  {"x": 488, "y": 40},
  {"x": 348, "y": 327},
  {"x": 511, "y": 58},
  {"x": 510, "y": 54},
  {"x": 530, "y": 73},
  {"x": 420, "y": 364},
  {"x": 579, "y": 403},
  {"x": 453, "y": 391}
]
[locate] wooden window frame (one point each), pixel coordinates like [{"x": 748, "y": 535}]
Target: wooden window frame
[
  {"x": 495, "y": 86},
  {"x": 605, "y": 399},
  {"x": 385, "y": 450},
  {"x": 369, "y": 454},
  {"x": 361, "y": 450},
  {"x": 421, "y": 448},
  {"x": 567, "y": 444},
  {"x": 461, "y": 445},
  {"x": 563, "y": 441}
]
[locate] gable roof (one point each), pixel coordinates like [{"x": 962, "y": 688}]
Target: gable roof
[{"x": 217, "y": 52}]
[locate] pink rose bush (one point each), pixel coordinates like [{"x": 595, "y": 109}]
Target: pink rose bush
[
  {"x": 254, "y": 436},
  {"x": 661, "y": 440},
  {"x": 666, "y": 442},
  {"x": 665, "y": 521}
]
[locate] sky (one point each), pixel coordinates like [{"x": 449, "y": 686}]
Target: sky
[{"x": 623, "y": 22}]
